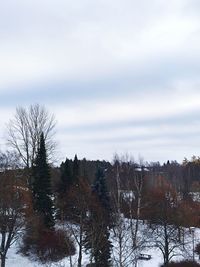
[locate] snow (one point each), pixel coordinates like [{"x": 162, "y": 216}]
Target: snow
[
  {"x": 14, "y": 259},
  {"x": 155, "y": 261}
]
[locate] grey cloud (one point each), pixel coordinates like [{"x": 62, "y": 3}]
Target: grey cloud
[
  {"x": 180, "y": 120},
  {"x": 86, "y": 52},
  {"x": 158, "y": 75}
]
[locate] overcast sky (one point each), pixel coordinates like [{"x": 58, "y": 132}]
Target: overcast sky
[{"x": 120, "y": 76}]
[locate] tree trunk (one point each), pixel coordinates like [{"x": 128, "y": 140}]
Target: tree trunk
[
  {"x": 137, "y": 220},
  {"x": 166, "y": 247},
  {"x": 80, "y": 250},
  {"x": 80, "y": 258},
  {"x": 70, "y": 261},
  {"x": 3, "y": 260},
  {"x": 120, "y": 249}
]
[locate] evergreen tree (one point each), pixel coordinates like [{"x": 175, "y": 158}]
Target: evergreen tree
[
  {"x": 76, "y": 170},
  {"x": 66, "y": 177},
  {"x": 64, "y": 186},
  {"x": 69, "y": 175},
  {"x": 100, "y": 189},
  {"x": 42, "y": 201},
  {"x": 97, "y": 227},
  {"x": 69, "y": 179}
]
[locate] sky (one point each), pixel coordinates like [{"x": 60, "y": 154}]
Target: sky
[{"x": 119, "y": 76}]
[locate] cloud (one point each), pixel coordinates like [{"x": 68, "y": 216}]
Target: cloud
[
  {"x": 118, "y": 76},
  {"x": 148, "y": 105},
  {"x": 85, "y": 40}
]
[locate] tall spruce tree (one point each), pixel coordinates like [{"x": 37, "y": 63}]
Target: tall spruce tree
[
  {"x": 76, "y": 170},
  {"x": 97, "y": 228},
  {"x": 100, "y": 188},
  {"x": 69, "y": 175},
  {"x": 66, "y": 177},
  {"x": 63, "y": 189},
  {"x": 42, "y": 195}
]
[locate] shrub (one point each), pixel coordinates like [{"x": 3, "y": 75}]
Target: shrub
[
  {"x": 197, "y": 249},
  {"x": 48, "y": 245},
  {"x": 54, "y": 245},
  {"x": 183, "y": 264}
]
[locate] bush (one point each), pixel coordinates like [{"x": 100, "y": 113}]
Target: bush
[
  {"x": 48, "y": 245},
  {"x": 183, "y": 264},
  {"x": 197, "y": 249}
]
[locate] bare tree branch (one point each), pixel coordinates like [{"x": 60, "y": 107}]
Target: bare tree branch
[{"x": 24, "y": 132}]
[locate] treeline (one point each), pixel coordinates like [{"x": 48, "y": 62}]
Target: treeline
[
  {"x": 185, "y": 176},
  {"x": 163, "y": 197},
  {"x": 110, "y": 210}
]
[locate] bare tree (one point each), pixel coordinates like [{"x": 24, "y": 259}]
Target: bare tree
[
  {"x": 120, "y": 232},
  {"x": 165, "y": 221},
  {"x": 126, "y": 200},
  {"x": 78, "y": 198},
  {"x": 25, "y": 129},
  {"x": 14, "y": 204}
]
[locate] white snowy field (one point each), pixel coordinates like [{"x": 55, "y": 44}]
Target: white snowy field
[{"x": 15, "y": 259}]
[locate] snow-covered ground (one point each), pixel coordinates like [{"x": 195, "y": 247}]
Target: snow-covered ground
[
  {"x": 155, "y": 261},
  {"x": 14, "y": 259}
]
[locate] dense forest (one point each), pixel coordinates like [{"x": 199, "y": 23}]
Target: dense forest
[{"x": 110, "y": 210}]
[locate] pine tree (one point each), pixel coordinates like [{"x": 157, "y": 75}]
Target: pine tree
[
  {"x": 42, "y": 201},
  {"x": 97, "y": 227},
  {"x": 69, "y": 175},
  {"x": 64, "y": 186},
  {"x": 101, "y": 191},
  {"x": 66, "y": 177},
  {"x": 76, "y": 170}
]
